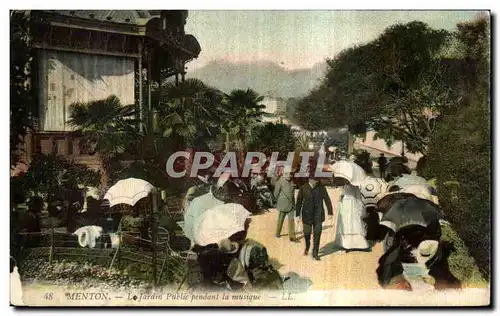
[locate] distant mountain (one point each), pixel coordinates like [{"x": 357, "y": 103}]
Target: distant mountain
[{"x": 265, "y": 77}]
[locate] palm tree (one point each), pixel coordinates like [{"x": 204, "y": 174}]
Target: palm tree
[
  {"x": 189, "y": 112},
  {"x": 107, "y": 126},
  {"x": 244, "y": 111},
  {"x": 303, "y": 142}
]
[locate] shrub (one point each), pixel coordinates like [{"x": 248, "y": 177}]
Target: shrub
[
  {"x": 463, "y": 173},
  {"x": 461, "y": 263},
  {"x": 271, "y": 138},
  {"x": 46, "y": 172},
  {"x": 460, "y": 149}
]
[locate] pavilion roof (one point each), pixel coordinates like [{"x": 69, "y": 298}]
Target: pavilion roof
[{"x": 131, "y": 17}]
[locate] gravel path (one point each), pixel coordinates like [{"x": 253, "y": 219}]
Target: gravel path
[{"x": 336, "y": 270}]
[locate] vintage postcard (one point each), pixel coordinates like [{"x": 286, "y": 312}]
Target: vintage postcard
[{"x": 250, "y": 158}]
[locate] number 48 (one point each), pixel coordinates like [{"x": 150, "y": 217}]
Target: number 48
[{"x": 48, "y": 296}]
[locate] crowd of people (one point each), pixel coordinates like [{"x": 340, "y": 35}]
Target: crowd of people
[
  {"x": 237, "y": 262},
  {"x": 414, "y": 256}
]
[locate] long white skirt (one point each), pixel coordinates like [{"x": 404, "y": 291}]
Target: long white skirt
[{"x": 351, "y": 230}]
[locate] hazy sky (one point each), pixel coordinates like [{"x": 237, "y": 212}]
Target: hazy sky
[{"x": 297, "y": 39}]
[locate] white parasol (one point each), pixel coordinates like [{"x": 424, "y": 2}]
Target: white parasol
[
  {"x": 128, "y": 191},
  {"x": 372, "y": 189},
  {"x": 219, "y": 222},
  {"x": 407, "y": 180},
  {"x": 195, "y": 209},
  {"x": 350, "y": 171}
]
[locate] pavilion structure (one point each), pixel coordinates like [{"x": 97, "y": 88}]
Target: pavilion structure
[{"x": 86, "y": 55}]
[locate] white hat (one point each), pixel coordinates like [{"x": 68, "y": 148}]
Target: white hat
[
  {"x": 426, "y": 250},
  {"x": 223, "y": 179},
  {"x": 203, "y": 179}
]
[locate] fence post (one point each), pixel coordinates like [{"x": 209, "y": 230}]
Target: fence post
[
  {"x": 154, "y": 228},
  {"x": 51, "y": 252}
]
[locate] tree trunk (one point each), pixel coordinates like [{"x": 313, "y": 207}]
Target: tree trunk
[
  {"x": 104, "y": 176},
  {"x": 227, "y": 141},
  {"x": 104, "y": 172},
  {"x": 350, "y": 143}
]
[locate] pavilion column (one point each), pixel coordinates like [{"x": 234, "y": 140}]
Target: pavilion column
[
  {"x": 141, "y": 109},
  {"x": 183, "y": 71},
  {"x": 150, "y": 78}
]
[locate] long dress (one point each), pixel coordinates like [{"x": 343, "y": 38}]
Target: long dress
[{"x": 351, "y": 230}]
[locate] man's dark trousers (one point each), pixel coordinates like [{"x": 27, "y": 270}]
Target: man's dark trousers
[
  {"x": 382, "y": 172},
  {"x": 317, "y": 229}
]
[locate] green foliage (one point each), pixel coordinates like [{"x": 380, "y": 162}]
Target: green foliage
[
  {"x": 106, "y": 124},
  {"x": 271, "y": 138},
  {"x": 317, "y": 111},
  {"x": 22, "y": 104},
  {"x": 303, "y": 142},
  {"x": 459, "y": 156},
  {"x": 190, "y": 112},
  {"x": 132, "y": 224},
  {"x": 393, "y": 84},
  {"x": 461, "y": 263},
  {"x": 466, "y": 162},
  {"x": 244, "y": 109},
  {"x": 48, "y": 172}
]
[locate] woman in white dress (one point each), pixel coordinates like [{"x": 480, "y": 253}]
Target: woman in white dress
[{"x": 351, "y": 229}]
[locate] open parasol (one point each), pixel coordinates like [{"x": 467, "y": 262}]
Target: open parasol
[
  {"x": 128, "y": 191},
  {"x": 349, "y": 171},
  {"x": 371, "y": 189},
  {"x": 411, "y": 211},
  {"x": 219, "y": 222},
  {"x": 408, "y": 179},
  {"x": 195, "y": 209}
]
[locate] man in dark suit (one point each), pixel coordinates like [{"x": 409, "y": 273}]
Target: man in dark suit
[
  {"x": 309, "y": 205},
  {"x": 382, "y": 165}
]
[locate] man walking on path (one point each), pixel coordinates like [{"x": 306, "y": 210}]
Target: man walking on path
[
  {"x": 310, "y": 205},
  {"x": 382, "y": 164},
  {"x": 285, "y": 197}
]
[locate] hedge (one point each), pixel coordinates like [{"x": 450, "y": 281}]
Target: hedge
[{"x": 459, "y": 159}]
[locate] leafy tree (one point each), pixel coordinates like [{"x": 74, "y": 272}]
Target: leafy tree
[
  {"x": 394, "y": 85},
  {"x": 271, "y": 137},
  {"x": 106, "y": 126},
  {"x": 22, "y": 105},
  {"x": 459, "y": 153}
]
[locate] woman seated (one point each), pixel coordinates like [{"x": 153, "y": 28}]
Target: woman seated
[
  {"x": 236, "y": 263},
  {"x": 416, "y": 258}
]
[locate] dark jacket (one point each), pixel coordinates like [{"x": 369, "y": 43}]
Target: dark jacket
[
  {"x": 382, "y": 163},
  {"x": 310, "y": 204}
]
